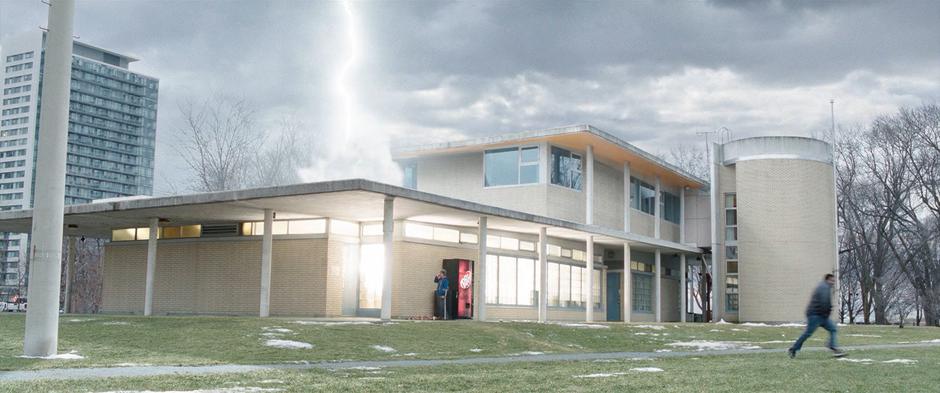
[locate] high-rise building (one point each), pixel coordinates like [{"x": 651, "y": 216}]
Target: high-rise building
[{"x": 112, "y": 133}]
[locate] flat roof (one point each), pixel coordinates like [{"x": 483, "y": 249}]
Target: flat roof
[
  {"x": 353, "y": 199},
  {"x": 562, "y": 134}
]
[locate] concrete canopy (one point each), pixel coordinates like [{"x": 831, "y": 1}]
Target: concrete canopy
[{"x": 353, "y": 200}]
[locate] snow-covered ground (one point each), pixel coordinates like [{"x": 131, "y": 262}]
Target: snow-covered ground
[
  {"x": 383, "y": 348},
  {"x": 219, "y": 390},
  {"x": 288, "y": 344},
  {"x": 705, "y": 345},
  {"x": 61, "y": 356},
  {"x": 647, "y": 369},
  {"x": 584, "y": 325}
]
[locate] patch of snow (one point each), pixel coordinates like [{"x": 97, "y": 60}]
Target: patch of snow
[
  {"x": 647, "y": 369},
  {"x": 792, "y": 324},
  {"x": 288, "y": 344},
  {"x": 383, "y": 348},
  {"x": 599, "y": 375},
  {"x": 364, "y": 368},
  {"x": 760, "y": 324},
  {"x": 333, "y": 323},
  {"x": 773, "y": 342},
  {"x": 654, "y": 327},
  {"x": 862, "y": 335},
  {"x": 476, "y": 350},
  {"x": 406, "y": 354},
  {"x": 901, "y": 361},
  {"x": 663, "y": 350},
  {"x": 271, "y": 381},
  {"x": 722, "y": 322},
  {"x": 277, "y": 330},
  {"x": 645, "y": 334},
  {"x": 702, "y": 345},
  {"x": 936, "y": 340},
  {"x": 716, "y": 330},
  {"x": 850, "y": 360},
  {"x": 132, "y": 365},
  {"x": 61, "y": 356},
  {"x": 606, "y": 361},
  {"x": 527, "y": 353},
  {"x": 113, "y": 323},
  {"x": 584, "y": 325},
  {"x": 81, "y": 319},
  {"x": 739, "y": 330}
]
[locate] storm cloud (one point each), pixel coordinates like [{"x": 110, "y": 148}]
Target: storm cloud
[{"x": 654, "y": 73}]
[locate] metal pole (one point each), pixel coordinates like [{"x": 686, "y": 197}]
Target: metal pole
[
  {"x": 69, "y": 273},
  {"x": 151, "y": 266},
  {"x": 627, "y": 297},
  {"x": 683, "y": 296},
  {"x": 589, "y": 257},
  {"x": 267, "y": 247},
  {"x": 589, "y": 186},
  {"x": 45, "y": 262},
  {"x": 658, "y": 286},
  {"x": 388, "y": 228},
  {"x": 543, "y": 275},
  {"x": 480, "y": 304}
]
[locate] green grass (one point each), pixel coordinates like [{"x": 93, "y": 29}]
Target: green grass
[
  {"x": 111, "y": 340},
  {"x": 811, "y": 372}
]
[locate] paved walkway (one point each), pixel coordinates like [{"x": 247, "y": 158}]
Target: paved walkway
[{"x": 149, "y": 371}]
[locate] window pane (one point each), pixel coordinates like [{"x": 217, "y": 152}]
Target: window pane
[
  {"x": 171, "y": 232},
  {"x": 731, "y": 217},
  {"x": 598, "y": 285},
  {"x": 731, "y": 252},
  {"x": 566, "y": 253},
  {"x": 143, "y": 233},
  {"x": 190, "y": 230},
  {"x": 526, "y": 246},
  {"x": 731, "y": 234},
  {"x": 576, "y": 298},
  {"x": 553, "y": 250},
  {"x": 338, "y": 227},
  {"x": 508, "y": 243},
  {"x": 246, "y": 229},
  {"x": 507, "y": 280},
  {"x": 446, "y": 235},
  {"x": 642, "y": 289},
  {"x": 410, "y": 176},
  {"x": 552, "y": 277},
  {"x": 280, "y": 228},
  {"x": 367, "y": 229},
  {"x": 502, "y": 167},
  {"x": 634, "y": 190},
  {"x": 577, "y": 255},
  {"x": 528, "y": 174},
  {"x": 732, "y": 267},
  {"x": 731, "y": 201},
  {"x": 120, "y": 235},
  {"x": 419, "y": 231},
  {"x": 530, "y": 154},
  {"x": 647, "y": 198},
  {"x": 492, "y": 279},
  {"x": 564, "y": 285},
  {"x": 492, "y": 241},
  {"x": 470, "y": 238},
  {"x": 526, "y": 279}
]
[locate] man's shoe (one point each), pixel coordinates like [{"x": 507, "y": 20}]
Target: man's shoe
[
  {"x": 791, "y": 352},
  {"x": 838, "y": 353}
]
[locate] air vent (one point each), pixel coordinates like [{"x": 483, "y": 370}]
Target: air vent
[{"x": 223, "y": 230}]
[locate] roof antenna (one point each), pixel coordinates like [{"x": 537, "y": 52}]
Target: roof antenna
[{"x": 832, "y": 113}]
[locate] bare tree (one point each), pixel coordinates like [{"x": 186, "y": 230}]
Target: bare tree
[
  {"x": 691, "y": 158},
  {"x": 279, "y": 161},
  {"x": 219, "y": 140}
]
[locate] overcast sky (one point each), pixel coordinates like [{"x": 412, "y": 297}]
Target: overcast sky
[{"x": 654, "y": 73}]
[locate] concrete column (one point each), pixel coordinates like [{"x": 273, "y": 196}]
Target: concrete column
[
  {"x": 658, "y": 210},
  {"x": 151, "y": 265},
  {"x": 69, "y": 274},
  {"x": 589, "y": 186},
  {"x": 627, "y": 284},
  {"x": 543, "y": 276},
  {"x": 714, "y": 159},
  {"x": 45, "y": 255},
  {"x": 657, "y": 277},
  {"x": 388, "y": 228},
  {"x": 480, "y": 302},
  {"x": 626, "y": 197},
  {"x": 682, "y": 215},
  {"x": 267, "y": 246},
  {"x": 684, "y": 290},
  {"x": 589, "y": 257}
]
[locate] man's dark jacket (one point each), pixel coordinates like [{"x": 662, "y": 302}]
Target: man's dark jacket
[{"x": 821, "y": 302}]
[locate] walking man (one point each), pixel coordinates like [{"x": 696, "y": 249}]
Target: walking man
[{"x": 817, "y": 314}]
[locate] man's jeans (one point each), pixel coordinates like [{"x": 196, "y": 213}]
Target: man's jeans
[{"x": 813, "y": 322}]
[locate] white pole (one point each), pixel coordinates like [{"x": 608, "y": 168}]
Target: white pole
[
  {"x": 267, "y": 248},
  {"x": 45, "y": 262},
  {"x": 627, "y": 283},
  {"x": 657, "y": 278},
  {"x": 69, "y": 273},
  {"x": 388, "y": 228},
  {"x": 589, "y": 256},
  {"x": 682, "y": 214},
  {"x": 151, "y": 266},
  {"x": 716, "y": 242},
  {"x": 682, "y": 287},
  {"x": 589, "y": 186},
  {"x": 480, "y": 303},
  {"x": 543, "y": 277},
  {"x": 626, "y": 197}
]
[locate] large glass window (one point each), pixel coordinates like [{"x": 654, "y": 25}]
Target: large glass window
[
  {"x": 642, "y": 293},
  {"x": 511, "y": 166},
  {"x": 731, "y": 217},
  {"x": 566, "y": 168},
  {"x": 511, "y": 280},
  {"x": 642, "y": 196},
  {"x": 410, "y": 175},
  {"x": 731, "y": 293},
  {"x": 670, "y": 207}
]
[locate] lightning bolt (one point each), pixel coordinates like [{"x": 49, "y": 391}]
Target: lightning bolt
[{"x": 344, "y": 90}]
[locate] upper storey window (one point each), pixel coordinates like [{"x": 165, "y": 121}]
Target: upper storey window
[
  {"x": 410, "y": 175},
  {"x": 642, "y": 196},
  {"x": 511, "y": 166},
  {"x": 566, "y": 168}
]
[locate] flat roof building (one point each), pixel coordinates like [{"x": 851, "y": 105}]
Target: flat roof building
[{"x": 562, "y": 224}]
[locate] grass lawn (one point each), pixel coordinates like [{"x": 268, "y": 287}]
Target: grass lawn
[
  {"x": 810, "y": 372},
  {"x": 116, "y": 340}
]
